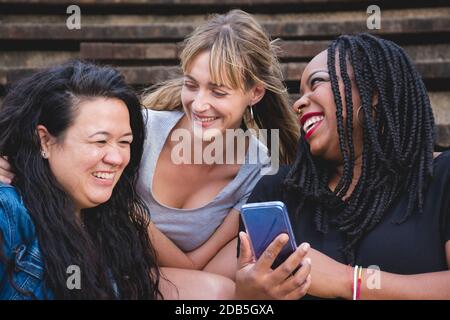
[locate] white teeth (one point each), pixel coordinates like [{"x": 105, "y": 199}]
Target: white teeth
[
  {"x": 206, "y": 119},
  {"x": 103, "y": 175},
  {"x": 311, "y": 122}
]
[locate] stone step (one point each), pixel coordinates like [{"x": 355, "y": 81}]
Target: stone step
[
  {"x": 126, "y": 18},
  {"x": 153, "y": 53},
  {"x": 177, "y": 5},
  {"x": 298, "y": 50},
  {"x": 139, "y": 75},
  {"x": 288, "y": 26},
  {"x": 35, "y": 59},
  {"x": 130, "y": 51}
]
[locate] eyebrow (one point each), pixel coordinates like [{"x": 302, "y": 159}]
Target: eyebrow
[
  {"x": 108, "y": 134},
  {"x": 317, "y": 71},
  {"x": 209, "y": 83},
  {"x": 309, "y": 77}
]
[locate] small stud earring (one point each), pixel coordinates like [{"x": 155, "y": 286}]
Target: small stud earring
[{"x": 44, "y": 154}]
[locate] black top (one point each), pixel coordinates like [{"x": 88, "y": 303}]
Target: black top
[{"x": 415, "y": 246}]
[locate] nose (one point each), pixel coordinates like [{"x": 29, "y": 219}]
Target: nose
[
  {"x": 115, "y": 156},
  {"x": 200, "y": 103},
  {"x": 300, "y": 104}
]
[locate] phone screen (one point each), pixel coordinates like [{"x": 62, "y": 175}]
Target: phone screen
[{"x": 264, "y": 222}]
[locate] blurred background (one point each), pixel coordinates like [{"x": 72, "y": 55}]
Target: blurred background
[{"x": 143, "y": 37}]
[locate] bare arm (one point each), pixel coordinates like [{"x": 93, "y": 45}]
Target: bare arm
[
  {"x": 225, "y": 262},
  {"x": 167, "y": 252},
  {"x": 332, "y": 279},
  {"x": 169, "y": 255},
  {"x": 226, "y": 232}
]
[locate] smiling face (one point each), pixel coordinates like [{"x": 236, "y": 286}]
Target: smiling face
[
  {"x": 93, "y": 153},
  {"x": 209, "y": 107},
  {"x": 317, "y": 110}
]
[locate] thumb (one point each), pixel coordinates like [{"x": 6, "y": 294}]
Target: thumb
[{"x": 245, "y": 252}]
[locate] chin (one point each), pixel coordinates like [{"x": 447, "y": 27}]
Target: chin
[
  {"x": 316, "y": 149},
  {"x": 100, "y": 199},
  {"x": 209, "y": 134}
]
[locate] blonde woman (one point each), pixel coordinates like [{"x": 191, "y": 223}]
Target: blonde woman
[{"x": 231, "y": 79}]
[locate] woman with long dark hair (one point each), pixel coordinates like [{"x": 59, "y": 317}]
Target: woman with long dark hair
[
  {"x": 74, "y": 136},
  {"x": 366, "y": 190}
]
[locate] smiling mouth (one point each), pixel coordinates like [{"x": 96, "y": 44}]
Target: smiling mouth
[
  {"x": 310, "y": 122},
  {"x": 104, "y": 175},
  {"x": 204, "y": 119}
]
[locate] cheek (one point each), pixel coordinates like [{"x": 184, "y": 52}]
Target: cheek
[
  {"x": 187, "y": 96},
  {"x": 80, "y": 162},
  {"x": 126, "y": 156},
  {"x": 89, "y": 156},
  {"x": 324, "y": 97},
  {"x": 233, "y": 107}
]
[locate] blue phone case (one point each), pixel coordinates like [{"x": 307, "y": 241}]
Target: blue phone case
[{"x": 264, "y": 221}]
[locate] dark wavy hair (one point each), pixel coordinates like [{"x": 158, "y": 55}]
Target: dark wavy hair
[
  {"x": 113, "y": 250},
  {"x": 398, "y": 141}
]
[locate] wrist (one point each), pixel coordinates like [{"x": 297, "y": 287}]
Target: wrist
[{"x": 346, "y": 282}]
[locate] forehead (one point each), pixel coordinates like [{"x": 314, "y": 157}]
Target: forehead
[
  {"x": 108, "y": 114},
  {"x": 199, "y": 66},
  {"x": 213, "y": 69},
  {"x": 318, "y": 62}
]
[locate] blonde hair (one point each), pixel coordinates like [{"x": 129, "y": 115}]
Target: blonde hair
[{"x": 241, "y": 56}]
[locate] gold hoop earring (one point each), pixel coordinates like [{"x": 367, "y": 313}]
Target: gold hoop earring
[
  {"x": 361, "y": 123},
  {"x": 357, "y": 116}
]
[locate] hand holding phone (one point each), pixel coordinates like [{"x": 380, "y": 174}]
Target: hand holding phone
[
  {"x": 256, "y": 280},
  {"x": 264, "y": 221}
]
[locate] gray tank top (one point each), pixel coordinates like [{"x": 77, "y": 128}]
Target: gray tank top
[{"x": 190, "y": 228}]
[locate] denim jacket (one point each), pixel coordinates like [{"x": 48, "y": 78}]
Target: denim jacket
[{"x": 20, "y": 243}]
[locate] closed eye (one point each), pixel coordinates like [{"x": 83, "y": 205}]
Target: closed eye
[
  {"x": 316, "y": 81},
  {"x": 219, "y": 94},
  {"x": 189, "y": 85}
]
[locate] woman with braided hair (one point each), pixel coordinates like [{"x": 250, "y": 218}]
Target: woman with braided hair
[{"x": 365, "y": 189}]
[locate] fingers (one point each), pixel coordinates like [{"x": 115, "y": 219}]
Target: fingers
[
  {"x": 300, "y": 291},
  {"x": 6, "y": 175},
  {"x": 268, "y": 257},
  {"x": 259, "y": 280},
  {"x": 285, "y": 269},
  {"x": 4, "y": 164},
  {"x": 245, "y": 252},
  {"x": 298, "y": 279}
]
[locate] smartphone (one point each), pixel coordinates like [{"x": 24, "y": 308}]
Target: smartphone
[{"x": 264, "y": 221}]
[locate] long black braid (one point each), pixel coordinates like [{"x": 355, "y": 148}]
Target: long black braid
[{"x": 398, "y": 140}]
